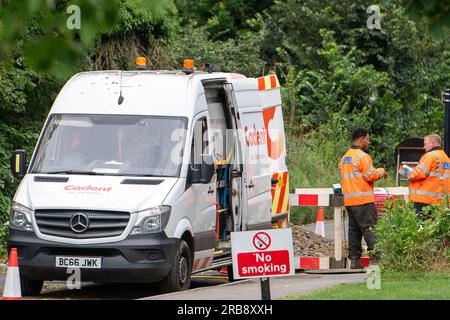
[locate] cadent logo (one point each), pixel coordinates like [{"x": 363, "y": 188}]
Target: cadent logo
[
  {"x": 255, "y": 137},
  {"x": 87, "y": 188},
  {"x": 275, "y": 146}
]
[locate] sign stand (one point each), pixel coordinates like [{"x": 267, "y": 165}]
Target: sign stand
[{"x": 265, "y": 288}]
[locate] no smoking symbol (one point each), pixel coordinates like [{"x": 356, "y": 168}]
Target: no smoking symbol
[{"x": 261, "y": 241}]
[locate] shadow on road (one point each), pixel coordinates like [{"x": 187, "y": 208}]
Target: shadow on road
[{"x": 94, "y": 291}]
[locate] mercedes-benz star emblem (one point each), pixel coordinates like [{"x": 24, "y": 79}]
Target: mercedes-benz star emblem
[{"x": 79, "y": 222}]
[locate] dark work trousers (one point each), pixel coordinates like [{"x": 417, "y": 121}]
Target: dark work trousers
[{"x": 360, "y": 219}]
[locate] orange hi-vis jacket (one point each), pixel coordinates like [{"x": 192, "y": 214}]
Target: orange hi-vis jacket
[
  {"x": 430, "y": 180},
  {"x": 357, "y": 177}
]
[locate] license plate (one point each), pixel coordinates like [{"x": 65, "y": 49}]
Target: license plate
[{"x": 78, "y": 262}]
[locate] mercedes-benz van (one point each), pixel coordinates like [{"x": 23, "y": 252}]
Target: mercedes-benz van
[{"x": 141, "y": 176}]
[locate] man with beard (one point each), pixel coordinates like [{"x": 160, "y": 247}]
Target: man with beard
[{"x": 357, "y": 180}]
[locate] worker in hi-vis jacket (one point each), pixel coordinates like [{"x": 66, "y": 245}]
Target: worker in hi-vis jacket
[
  {"x": 429, "y": 182},
  {"x": 357, "y": 180}
]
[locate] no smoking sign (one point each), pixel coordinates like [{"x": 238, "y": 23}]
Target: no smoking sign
[{"x": 267, "y": 253}]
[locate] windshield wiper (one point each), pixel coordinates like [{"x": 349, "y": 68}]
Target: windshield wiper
[{"x": 92, "y": 173}]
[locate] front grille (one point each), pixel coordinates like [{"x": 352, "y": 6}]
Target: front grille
[{"x": 102, "y": 224}]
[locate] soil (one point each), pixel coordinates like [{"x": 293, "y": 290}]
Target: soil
[{"x": 307, "y": 243}]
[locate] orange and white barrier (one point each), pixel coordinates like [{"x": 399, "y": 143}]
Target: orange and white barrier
[
  {"x": 310, "y": 197},
  {"x": 320, "y": 197},
  {"x": 12, "y": 289},
  {"x": 320, "y": 263}
]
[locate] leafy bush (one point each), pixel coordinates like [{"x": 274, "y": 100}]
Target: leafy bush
[{"x": 408, "y": 243}]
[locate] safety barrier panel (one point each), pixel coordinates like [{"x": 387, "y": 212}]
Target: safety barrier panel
[{"x": 323, "y": 197}]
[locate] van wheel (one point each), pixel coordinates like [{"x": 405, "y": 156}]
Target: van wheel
[
  {"x": 179, "y": 277},
  {"x": 30, "y": 287}
]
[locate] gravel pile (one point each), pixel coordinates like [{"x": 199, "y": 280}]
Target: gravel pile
[{"x": 308, "y": 243}]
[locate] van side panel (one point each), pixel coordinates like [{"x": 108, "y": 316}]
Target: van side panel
[
  {"x": 258, "y": 170},
  {"x": 263, "y": 95}
]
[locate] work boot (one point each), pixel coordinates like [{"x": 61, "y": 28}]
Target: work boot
[{"x": 356, "y": 264}]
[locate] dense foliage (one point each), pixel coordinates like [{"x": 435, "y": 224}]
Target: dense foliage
[
  {"x": 336, "y": 73},
  {"x": 408, "y": 243}
]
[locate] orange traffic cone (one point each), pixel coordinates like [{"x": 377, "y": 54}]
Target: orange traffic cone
[
  {"x": 12, "y": 289},
  {"x": 320, "y": 224}
]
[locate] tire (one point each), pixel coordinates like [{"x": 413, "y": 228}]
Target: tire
[
  {"x": 179, "y": 277},
  {"x": 30, "y": 287}
]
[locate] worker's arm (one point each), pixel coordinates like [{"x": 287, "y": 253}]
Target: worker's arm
[
  {"x": 423, "y": 170},
  {"x": 370, "y": 174}
]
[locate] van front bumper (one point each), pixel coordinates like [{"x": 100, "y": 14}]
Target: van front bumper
[{"x": 143, "y": 258}]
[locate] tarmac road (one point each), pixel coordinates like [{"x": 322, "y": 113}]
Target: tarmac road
[
  {"x": 92, "y": 291},
  {"x": 204, "y": 287}
]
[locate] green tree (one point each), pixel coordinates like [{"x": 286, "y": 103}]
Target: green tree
[
  {"x": 223, "y": 19},
  {"x": 388, "y": 80}
]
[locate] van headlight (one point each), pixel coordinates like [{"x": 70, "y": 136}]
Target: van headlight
[
  {"x": 20, "y": 217},
  {"x": 152, "y": 220}
]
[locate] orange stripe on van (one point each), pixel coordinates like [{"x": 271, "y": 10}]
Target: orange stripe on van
[
  {"x": 196, "y": 263},
  {"x": 205, "y": 263},
  {"x": 280, "y": 194},
  {"x": 273, "y": 81},
  {"x": 283, "y": 191},
  {"x": 286, "y": 193},
  {"x": 261, "y": 83},
  {"x": 268, "y": 82},
  {"x": 275, "y": 194}
]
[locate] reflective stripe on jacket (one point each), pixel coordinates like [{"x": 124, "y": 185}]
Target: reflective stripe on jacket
[
  {"x": 357, "y": 177},
  {"x": 430, "y": 180}
]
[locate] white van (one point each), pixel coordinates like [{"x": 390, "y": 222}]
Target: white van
[{"x": 141, "y": 176}]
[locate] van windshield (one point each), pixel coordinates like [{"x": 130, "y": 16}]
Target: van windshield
[{"x": 111, "y": 145}]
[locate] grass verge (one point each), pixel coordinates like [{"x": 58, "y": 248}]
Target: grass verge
[{"x": 394, "y": 286}]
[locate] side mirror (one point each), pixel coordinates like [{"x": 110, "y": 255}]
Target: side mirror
[
  {"x": 202, "y": 173},
  {"x": 18, "y": 163}
]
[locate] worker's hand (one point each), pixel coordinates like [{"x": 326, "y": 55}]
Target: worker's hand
[{"x": 383, "y": 173}]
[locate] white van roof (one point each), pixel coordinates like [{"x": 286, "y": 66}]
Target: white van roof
[{"x": 164, "y": 93}]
